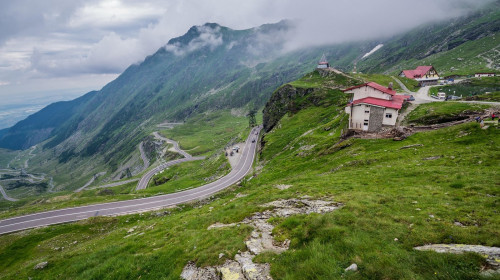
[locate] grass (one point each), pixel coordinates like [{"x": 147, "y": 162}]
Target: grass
[
  {"x": 471, "y": 87},
  {"x": 6, "y": 156},
  {"x": 384, "y": 80},
  {"x": 206, "y": 133},
  {"x": 440, "y": 112},
  {"x": 492, "y": 96},
  {"x": 382, "y": 187},
  {"x": 316, "y": 80},
  {"x": 394, "y": 199},
  {"x": 376, "y": 211},
  {"x": 189, "y": 175}
]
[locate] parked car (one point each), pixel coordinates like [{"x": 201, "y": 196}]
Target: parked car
[
  {"x": 453, "y": 97},
  {"x": 411, "y": 98}
]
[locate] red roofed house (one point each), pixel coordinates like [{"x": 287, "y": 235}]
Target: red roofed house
[
  {"x": 426, "y": 75},
  {"x": 373, "y": 106}
]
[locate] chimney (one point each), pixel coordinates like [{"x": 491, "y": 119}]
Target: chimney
[{"x": 390, "y": 86}]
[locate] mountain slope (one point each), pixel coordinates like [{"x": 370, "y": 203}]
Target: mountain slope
[
  {"x": 40, "y": 125},
  {"x": 212, "y": 68},
  {"x": 209, "y": 68},
  {"x": 395, "y": 195},
  {"x": 426, "y": 45}
]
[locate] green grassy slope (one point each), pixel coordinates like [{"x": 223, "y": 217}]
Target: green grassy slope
[
  {"x": 477, "y": 56},
  {"x": 469, "y": 87},
  {"x": 441, "y": 112},
  {"x": 6, "y": 156},
  {"x": 459, "y": 46},
  {"x": 394, "y": 199}
]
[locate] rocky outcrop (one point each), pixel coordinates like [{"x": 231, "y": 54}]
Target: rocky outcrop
[
  {"x": 260, "y": 240},
  {"x": 282, "y": 102},
  {"x": 491, "y": 254}
]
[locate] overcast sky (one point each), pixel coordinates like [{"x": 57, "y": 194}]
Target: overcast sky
[{"x": 50, "y": 47}]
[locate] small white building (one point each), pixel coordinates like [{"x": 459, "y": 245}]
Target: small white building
[
  {"x": 479, "y": 75},
  {"x": 323, "y": 63},
  {"x": 373, "y": 106}
]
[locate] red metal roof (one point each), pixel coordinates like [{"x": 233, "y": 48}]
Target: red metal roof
[
  {"x": 375, "y": 86},
  {"x": 417, "y": 73},
  {"x": 395, "y": 103}
]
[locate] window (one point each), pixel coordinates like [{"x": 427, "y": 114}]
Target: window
[
  {"x": 388, "y": 115},
  {"x": 367, "y": 111},
  {"x": 365, "y": 122}
]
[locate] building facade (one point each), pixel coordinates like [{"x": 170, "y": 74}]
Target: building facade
[
  {"x": 425, "y": 75},
  {"x": 373, "y": 107},
  {"x": 479, "y": 75}
]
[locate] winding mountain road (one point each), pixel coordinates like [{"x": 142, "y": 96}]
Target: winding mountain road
[
  {"x": 4, "y": 194},
  {"x": 136, "y": 205},
  {"x": 143, "y": 183}
]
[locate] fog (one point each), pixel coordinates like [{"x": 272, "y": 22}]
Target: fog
[{"x": 57, "y": 45}]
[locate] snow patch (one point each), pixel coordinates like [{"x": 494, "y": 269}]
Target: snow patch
[{"x": 373, "y": 50}]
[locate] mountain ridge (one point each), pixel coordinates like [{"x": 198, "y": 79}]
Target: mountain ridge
[{"x": 209, "y": 68}]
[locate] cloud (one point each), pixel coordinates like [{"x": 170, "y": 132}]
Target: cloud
[
  {"x": 208, "y": 37},
  {"x": 60, "y": 38},
  {"x": 115, "y": 14}
]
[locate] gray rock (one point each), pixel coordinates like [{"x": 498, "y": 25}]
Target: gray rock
[
  {"x": 352, "y": 267},
  {"x": 492, "y": 254},
  {"x": 41, "y": 265},
  {"x": 261, "y": 240},
  {"x": 231, "y": 270},
  {"x": 191, "y": 272},
  {"x": 251, "y": 270}
]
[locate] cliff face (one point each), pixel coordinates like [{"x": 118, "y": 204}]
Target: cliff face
[
  {"x": 319, "y": 88},
  {"x": 281, "y": 102}
]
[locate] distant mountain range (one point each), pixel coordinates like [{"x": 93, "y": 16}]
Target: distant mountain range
[{"x": 213, "y": 67}]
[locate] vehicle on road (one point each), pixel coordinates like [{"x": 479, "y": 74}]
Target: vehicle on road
[
  {"x": 411, "y": 98},
  {"x": 453, "y": 97},
  {"x": 253, "y": 141}
]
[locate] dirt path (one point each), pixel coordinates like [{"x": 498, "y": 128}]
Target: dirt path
[
  {"x": 407, "y": 111},
  {"x": 168, "y": 125},
  {"x": 403, "y": 86}
]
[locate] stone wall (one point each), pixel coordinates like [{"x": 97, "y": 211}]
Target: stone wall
[{"x": 376, "y": 118}]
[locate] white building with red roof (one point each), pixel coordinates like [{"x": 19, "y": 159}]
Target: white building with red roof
[
  {"x": 425, "y": 75},
  {"x": 373, "y": 107}
]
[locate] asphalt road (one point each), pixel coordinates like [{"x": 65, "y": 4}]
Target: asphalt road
[
  {"x": 135, "y": 205},
  {"x": 4, "y": 194},
  {"x": 143, "y": 183}
]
